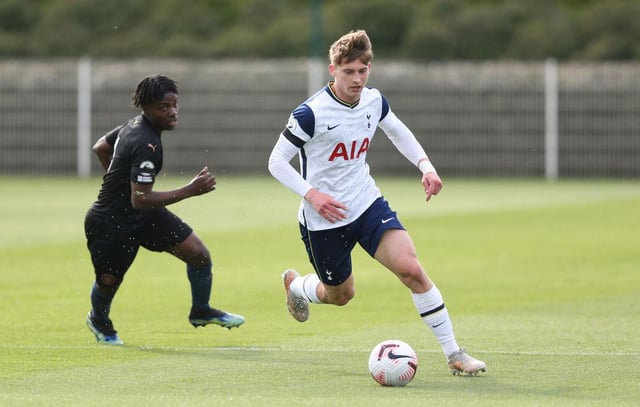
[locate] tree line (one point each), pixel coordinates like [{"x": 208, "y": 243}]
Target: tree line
[{"x": 436, "y": 30}]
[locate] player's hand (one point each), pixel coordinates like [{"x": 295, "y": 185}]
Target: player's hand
[
  {"x": 204, "y": 182},
  {"x": 432, "y": 184},
  {"x": 326, "y": 206}
]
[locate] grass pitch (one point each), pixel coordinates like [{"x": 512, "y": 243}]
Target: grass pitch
[{"x": 541, "y": 279}]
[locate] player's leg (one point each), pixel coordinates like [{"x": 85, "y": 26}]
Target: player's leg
[
  {"x": 199, "y": 269},
  {"x": 101, "y": 327},
  {"x": 297, "y": 299},
  {"x": 397, "y": 252},
  {"x": 302, "y": 290},
  {"x": 112, "y": 252},
  {"x": 315, "y": 291},
  {"x": 329, "y": 252},
  {"x": 166, "y": 232}
]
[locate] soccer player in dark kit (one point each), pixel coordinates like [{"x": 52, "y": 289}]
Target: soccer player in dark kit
[{"x": 129, "y": 213}]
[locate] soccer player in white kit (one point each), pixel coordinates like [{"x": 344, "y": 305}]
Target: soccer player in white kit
[{"x": 331, "y": 133}]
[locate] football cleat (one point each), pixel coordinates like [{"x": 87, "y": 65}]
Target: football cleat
[
  {"x": 215, "y": 316},
  {"x": 461, "y": 363},
  {"x": 297, "y": 305},
  {"x": 103, "y": 331}
]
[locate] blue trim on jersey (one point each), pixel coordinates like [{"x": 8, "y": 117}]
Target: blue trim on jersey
[
  {"x": 306, "y": 119},
  {"x": 303, "y": 163},
  {"x": 385, "y": 107}
]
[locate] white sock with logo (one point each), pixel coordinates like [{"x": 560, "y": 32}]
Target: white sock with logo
[
  {"x": 305, "y": 286},
  {"x": 433, "y": 312}
]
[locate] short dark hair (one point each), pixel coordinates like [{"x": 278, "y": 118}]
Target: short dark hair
[{"x": 151, "y": 90}]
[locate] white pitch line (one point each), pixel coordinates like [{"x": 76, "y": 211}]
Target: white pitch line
[{"x": 284, "y": 349}]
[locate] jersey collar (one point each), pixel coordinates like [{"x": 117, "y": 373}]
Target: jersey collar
[{"x": 337, "y": 99}]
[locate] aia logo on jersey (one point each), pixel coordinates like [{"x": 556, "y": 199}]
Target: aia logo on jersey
[{"x": 350, "y": 152}]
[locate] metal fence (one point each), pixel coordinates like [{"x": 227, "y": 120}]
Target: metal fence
[{"x": 474, "y": 119}]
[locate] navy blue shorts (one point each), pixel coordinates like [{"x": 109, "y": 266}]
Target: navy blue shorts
[
  {"x": 329, "y": 250},
  {"x": 114, "y": 246}
]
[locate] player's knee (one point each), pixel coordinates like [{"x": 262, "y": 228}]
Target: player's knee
[
  {"x": 202, "y": 259},
  {"x": 108, "y": 284},
  {"x": 416, "y": 273},
  {"x": 411, "y": 274},
  {"x": 194, "y": 253},
  {"x": 343, "y": 297},
  {"x": 341, "y": 301},
  {"x": 199, "y": 252}
]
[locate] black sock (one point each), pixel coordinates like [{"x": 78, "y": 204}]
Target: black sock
[
  {"x": 201, "y": 280},
  {"x": 100, "y": 304}
]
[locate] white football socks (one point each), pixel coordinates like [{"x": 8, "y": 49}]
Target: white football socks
[
  {"x": 433, "y": 312},
  {"x": 430, "y": 306},
  {"x": 305, "y": 286}
]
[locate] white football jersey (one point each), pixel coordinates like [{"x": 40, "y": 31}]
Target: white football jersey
[{"x": 334, "y": 138}]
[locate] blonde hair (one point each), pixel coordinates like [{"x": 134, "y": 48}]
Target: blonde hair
[{"x": 351, "y": 46}]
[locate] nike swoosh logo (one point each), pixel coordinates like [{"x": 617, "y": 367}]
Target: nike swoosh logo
[
  {"x": 437, "y": 325},
  {"x": 332, "y": 127},
  {"x": 394, "y": 356},
  {"x": 387, "y": 220}
]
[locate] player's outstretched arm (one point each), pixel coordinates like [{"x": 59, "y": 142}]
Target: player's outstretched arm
[
  {"x": 202, "y": 183},
  {"x": 144, "y": 197}
]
